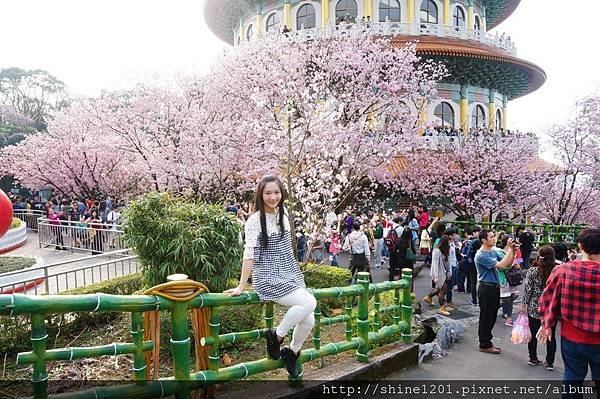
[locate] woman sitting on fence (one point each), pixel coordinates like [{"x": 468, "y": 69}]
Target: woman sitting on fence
[{"x": 276, "y": 275}]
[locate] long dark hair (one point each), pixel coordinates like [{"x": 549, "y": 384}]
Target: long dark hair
[
  {"x": 444, "y": 246},
  {"x": 405, "y": 240},
  {"x": 545, "y": 262},
  {"x": 411, "y": 215},
  {"x": 260, "y": 207}
]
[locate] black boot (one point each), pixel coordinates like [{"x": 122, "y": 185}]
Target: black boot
[
  {"x": 290, "y": 359},
  {"x": 273, "y": 344}
]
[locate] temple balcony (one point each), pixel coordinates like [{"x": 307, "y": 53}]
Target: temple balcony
[{"x": 501, "y": 42}]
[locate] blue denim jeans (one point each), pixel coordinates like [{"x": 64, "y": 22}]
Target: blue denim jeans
[
  {"x": 577, "y": 357},
  {"x": 451, "y": 285},
  {"x": 334, "y": 260}
]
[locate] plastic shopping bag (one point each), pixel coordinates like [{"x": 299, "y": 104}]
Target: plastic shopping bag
[{"x": 520, "y": 333}]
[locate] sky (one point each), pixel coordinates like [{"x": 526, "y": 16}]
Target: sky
[{"x": 95, "y": 45}]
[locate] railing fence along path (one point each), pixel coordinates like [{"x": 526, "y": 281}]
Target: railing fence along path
[
  {"x": 368, "y": 329},
  {"x": 94, "y": 237},
  {"x": 30, "y": 217},
  {"x": 54, "y": 278}
]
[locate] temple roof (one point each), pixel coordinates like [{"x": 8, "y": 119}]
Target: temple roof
[
  {"x": 477, "y": 64},
  {"x": 222, "y": 16}
]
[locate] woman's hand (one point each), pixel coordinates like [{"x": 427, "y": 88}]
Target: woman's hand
[{"x": 234, "y": 291}]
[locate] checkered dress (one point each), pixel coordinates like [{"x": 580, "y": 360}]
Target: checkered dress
[{"x": 275, "y": 273}]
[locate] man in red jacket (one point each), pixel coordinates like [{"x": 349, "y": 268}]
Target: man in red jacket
[{"x": 572, "y": 294}]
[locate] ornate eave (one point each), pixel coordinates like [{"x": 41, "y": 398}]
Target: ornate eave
[
  {"x": 479, "y": 65},
  {"x": 222, "y": 16}
]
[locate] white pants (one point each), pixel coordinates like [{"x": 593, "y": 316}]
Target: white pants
[
  {"x": 377, "y": 247},
  {"x": 300, "y": 315}
]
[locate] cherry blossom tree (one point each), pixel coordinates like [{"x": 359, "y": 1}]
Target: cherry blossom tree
[
  {"x": 327, "y": 114},
  {"x": 72, "y": 159},
  {"x": 472, "y": 175},
  {"x": 573, "y": 194}
]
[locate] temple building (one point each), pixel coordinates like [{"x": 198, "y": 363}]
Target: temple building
[{"x": 484, "y": 70}]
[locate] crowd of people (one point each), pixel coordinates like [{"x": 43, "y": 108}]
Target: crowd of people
[
  {"x": 81, "y": 220},
  {"x": 556, "y": 282},
  {"x": 477, "y": 132}
]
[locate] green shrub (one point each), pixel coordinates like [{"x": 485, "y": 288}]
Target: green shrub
[
  {"x": 16, "y": 222},
  {"x": 12, "y": 263},
  {"x": 322, "y": 276},
  {"x": 175, "y": 235},
  {"x": 125, "y": 285},
  {"x": 241, "y": 318}
]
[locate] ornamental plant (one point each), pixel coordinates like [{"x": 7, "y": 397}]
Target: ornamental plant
[{"x": 172, "y": 234}]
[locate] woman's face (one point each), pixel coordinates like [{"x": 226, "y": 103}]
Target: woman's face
[{"x": 271, "y": 195}]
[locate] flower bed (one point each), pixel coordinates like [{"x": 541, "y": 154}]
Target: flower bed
[
  {"x": 14, "y": 238},
  {"x": 27, "y": 278}
]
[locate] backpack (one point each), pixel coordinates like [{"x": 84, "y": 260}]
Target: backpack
[
  {"x": 466, "y": 262},
  {"x": 391, "y": 240}
]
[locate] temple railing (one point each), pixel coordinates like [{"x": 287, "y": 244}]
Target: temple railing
[
  {"x": 368, "y": 329},
  {"x": 544, "y": 233},
  {"x": 442, "y": 141},
  {"x": 390, "y": 28}
]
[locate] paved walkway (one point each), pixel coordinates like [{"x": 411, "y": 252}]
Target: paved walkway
[{"x": 463, "y": 360}]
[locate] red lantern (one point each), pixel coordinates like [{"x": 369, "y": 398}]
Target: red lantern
[{"x": 6, "y": 213}]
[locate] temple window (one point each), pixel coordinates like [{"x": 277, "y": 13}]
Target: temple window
[
  {"x": 478, "y": 117},
  {"x": 346, "y": 11},
  {"x": 306, "y": 17},
  {"x": 389, "y": 10},
  {"x": 429, "y": 12},
  {"x": 498, "y": 120},
  {"x": 459, "y": 17},
  {"x": 477, "y": 22},
  {"x": 444, "y": 115},
  {"x": 273, "y": 22}
]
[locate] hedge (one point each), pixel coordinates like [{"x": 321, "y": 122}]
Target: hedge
[{"x": 322, "y": 276}]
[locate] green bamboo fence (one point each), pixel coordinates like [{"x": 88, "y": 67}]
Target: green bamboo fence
[
  {"x": 368, "y": 329},
  {"x": 544, "y": 233}
]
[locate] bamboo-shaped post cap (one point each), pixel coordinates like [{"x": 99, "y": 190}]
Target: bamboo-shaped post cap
[{"x": 177, "y": 277}]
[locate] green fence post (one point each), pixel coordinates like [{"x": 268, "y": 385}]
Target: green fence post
[
  {"x": 546, "y": 234},
  {"x": 180, "y": 347},
  {"x": 376, "y": 318},
  {"x": 137, "y": 335},
  {"x": 407, "y": 306},
  {"x": 363, "y": 317},
  {"x": 397, "y": 304},
  {"x": 38, "y": 347},
  {"x": 317, "y": 329},
  {"x": 215, "y": 324},
  {"x": 268, "y": 319},
  {"x": 348, "y": 328}
]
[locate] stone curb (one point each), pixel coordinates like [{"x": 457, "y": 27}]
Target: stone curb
[{"x": 394, "y": 359}]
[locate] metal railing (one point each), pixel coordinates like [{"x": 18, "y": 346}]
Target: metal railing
[
  {"x": 30, "y": 217},
  {"x": 61, "y": 276},
  {"x": 95, "y": 237},
  {"x": 416, "y": 29},
  {"x": 440, "y": 142},
  {"x": 543, "y": 233},
  {"x": 363, "y": 326}
]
